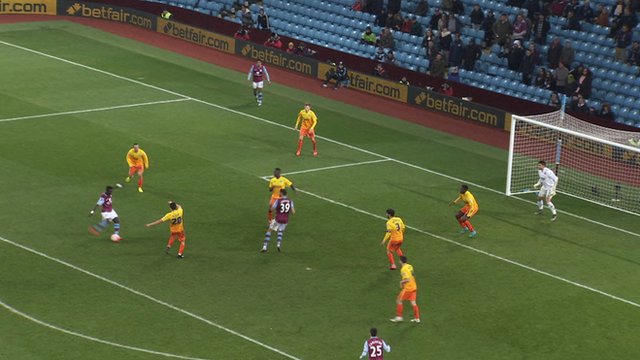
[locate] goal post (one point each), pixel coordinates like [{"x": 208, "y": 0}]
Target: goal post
[{"x": 593, "y": 163}]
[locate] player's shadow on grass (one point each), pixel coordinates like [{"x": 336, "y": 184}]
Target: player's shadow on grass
[{"x": 504, "y": 218}]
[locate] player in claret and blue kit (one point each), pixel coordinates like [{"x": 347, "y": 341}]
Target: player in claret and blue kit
[
  {"x": 108, "y": 214},
  {"x": 257, "y": 73},
  {"x": 282, "y": 207},
  {"x": 374, "y": 346}
]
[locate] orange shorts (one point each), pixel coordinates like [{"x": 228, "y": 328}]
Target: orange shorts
[
  {"x": 310, "y": 133},
  {"x": 394, "y": 245},
  {"x": 135, "y": 169},
  {"x": 178, "y": 236},
  {"x": 465, "y": 210},
  {"x": 408, "y": 295}
]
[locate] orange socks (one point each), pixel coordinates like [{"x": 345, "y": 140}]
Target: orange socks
[
  {"x": 140, "y": 181},
  {"x": 399, "y": 308},
  {"x": 182, "y": 246},
  {"x": 299, "y": 145},
  {"x": 467, "y": 223},
  {"x": 416, "y": 312},
  {"x": 315, "y": 145}
]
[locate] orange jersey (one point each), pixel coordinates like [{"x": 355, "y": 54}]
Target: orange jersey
[
  {"x": 277, "y": 184},
  {"x": 470, "y": 201},
  {"x": 137, "y": 158},
  {"x": 395, "y": 228},
  {"x": 307, "y": 120},
  {"x": 177, "y": 221},
  {"x": 408, "y": 278}
]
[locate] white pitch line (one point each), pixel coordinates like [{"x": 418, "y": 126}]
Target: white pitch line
[
  {"x": 331, "y": 167},
  {"x": 149, "y": 297},
  {"x": 91, "y": 338},
  {"x": 611, "y": 227},
  {"x": 73, "y": 112},
  {"x": 471, "y": 248}
]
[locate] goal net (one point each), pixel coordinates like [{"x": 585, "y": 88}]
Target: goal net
[{"x": 593, "y": 163}]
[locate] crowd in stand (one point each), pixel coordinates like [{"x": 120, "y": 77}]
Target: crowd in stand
[{"x": 518, "y": 41}]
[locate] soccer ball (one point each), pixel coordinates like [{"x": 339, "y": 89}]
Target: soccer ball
[{"x": 115, "y": 238}]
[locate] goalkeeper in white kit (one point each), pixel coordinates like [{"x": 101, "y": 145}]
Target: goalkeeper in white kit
[{"x": 547, "y": 183}]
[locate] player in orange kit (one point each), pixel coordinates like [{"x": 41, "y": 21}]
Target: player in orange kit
[
  {"x": 307, "y": 120},
  {"x": 277, "y": 183},
  {"x": 176, "y": 227},
  {"x": 395, "y": 236},
  {"x": 468, "y": 210},
  {"x": 138, "y": 161},
  {"x": 409, "y": 292}
]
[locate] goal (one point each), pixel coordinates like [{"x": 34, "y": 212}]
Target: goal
[{"x": 593, "y": 163}]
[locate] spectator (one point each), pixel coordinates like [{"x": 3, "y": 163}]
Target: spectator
[
  {"x": 339, "y": 74},
  {"x": 380, "y": 54},
  {"x": 231, "y": 15},
  {"x": 274, "y": 41},
  {"x": 291, "y": 48},
  {"x": 520, "y": 28},
  {"x": 435, "y": 19},
  {"x": 629, "y": 18},
  {"x": 554, "y": 100},
  {"x": 572, "y": 6},
  {"x": 601, "y": 16},
  {"x": 357, "y": 6},
  {"x": 572, "y": 22},
  {"x": 540, "y": 29},
  {"x": 561, "y": 75},
  {"x": 368, "y": 37},
  {"x": 542, "y": 80},
  {"x": 406, "y": 24},
  {"x": 422, "y": 8},
  {"x": 527, "y": 66},
  {"x": 477, "y": 17},
  {"x": 633, "y": 58},
  {"x": 579, "y": 104},
  {"x": 443, "y": 22},
  {"x": 447, "y": 6},
  {"x": 514, "y": 56},
  {"x": 390, "y": 58},
  {"x": 416, "y": 28},
  {"x": 606, "y": 113},
  {"x": 454, "y": 74},
  {"x": 551, "y": 81},
  {"x": 438, "y": 67},
  {"x": 623, "y": 40},
  {"x": 502, "y": 30},
  {"x": 445, "y": 43},
  {"x": 446, "y": 89},
  {"x": 585, "y": 12},
  {"x": 373, "y": 6},
  {"x": 304, "y": 50},
  {"x": 432, "y": 50},
  {"x": 428, "y": 36},
  {"x": 456, "y": 51},
  {"x": 458, "y": 7},
  {"x": 567, "y": 55},
  {"x": 379, "y": 71},
  {"x": 534, "y": 53},
  {"x": 557, "y": 7},
  {"x": 453, "y": 23},
  {"x": 394, "y": 6},
  {"x": 472, "y": 53},
  {"x": 554, "y": 53},
  {"x": 263, "y": 20},
  {"x": 381, "y": 18},
  {"x": 535, "y": 8},
  {"x": 404, "y": 81},
  {"x": 386, "y": 39},
  {"x": 242, "y": 34},
  {"x": 247, "y": 17},
  {"x": 487, "y": 26},
  {"x": 396, "y": 21},
  {"x": 584, "y": 84}
]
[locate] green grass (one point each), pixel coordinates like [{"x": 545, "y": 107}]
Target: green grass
[{"x": 210, "y": 160}]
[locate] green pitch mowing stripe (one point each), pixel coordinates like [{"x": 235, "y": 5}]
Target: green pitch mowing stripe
[{"x": 317, "y": 299}]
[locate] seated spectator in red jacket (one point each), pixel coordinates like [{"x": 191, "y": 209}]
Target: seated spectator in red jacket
[
  {"x": 379, "y": 71},
  {"x": 274, "y": 41},
  {"x": 304, "y": 50},
  {"x": 291, "y": 48},
  {"x": 357, "y": 6},
  {"x": 446, "y": 89},
  {"x": 406, "y": 25},
  {"x": 242, "y": 34}
]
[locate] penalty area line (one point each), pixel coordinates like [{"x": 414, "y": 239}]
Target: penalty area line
[
  {"x": 331, "y": 167},
  {"x": 476, "y": 250},
  {"x": 94, "y": 339},
  {"x": 151, "y": 298},
  {"x": 84, "y": 111}
]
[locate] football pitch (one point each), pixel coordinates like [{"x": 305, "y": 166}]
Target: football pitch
[{"x": 73, "y": 100}]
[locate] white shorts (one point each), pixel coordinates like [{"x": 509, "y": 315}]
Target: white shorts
[
  {"x": 276, "y": 226},
  {"x": 546, "y": 192},
  {"x": 109, "y": 215},
  {"x": 258, "y": 85}
]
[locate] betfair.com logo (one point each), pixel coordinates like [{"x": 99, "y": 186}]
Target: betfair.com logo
[
  {"x": 104, "y": 12},
  {"x": 196, "y": 35},
  {"x": 246, "y": 50}
]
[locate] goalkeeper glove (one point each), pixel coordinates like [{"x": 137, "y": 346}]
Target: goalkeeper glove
[{"x": 536, "y": 185}]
